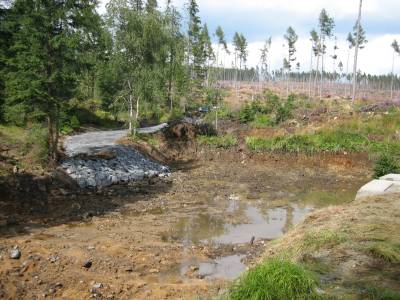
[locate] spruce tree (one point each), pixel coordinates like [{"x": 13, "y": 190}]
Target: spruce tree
[{"x": 45, "y": 56}]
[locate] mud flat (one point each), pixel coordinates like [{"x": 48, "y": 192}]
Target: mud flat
[{"x": 214, "y": 220}]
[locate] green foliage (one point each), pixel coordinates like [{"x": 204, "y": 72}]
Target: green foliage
[
  {"x": 323, "y": 141},
  {"x": 386, "y": 164},
  {"x": 262, "y": 121},
  {"x": 223, "y": 141},
  {"x": 36, "y": 144},
  {"x": 248, "y": 113},
  {"x": 285, "y": 110},
  {"x": 275, "y": 279},
  {"x": 15, "y": 114}
]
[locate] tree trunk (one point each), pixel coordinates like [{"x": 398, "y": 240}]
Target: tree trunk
[
  {"x": 311, "y": 70},
  {"x": 130, "y": 113},
  {"x": 392, "y": 83},
  {"x": 356, "y": 52}
]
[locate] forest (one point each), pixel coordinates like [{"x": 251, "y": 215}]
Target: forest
[
  {"x": 63, "y": 64},
  {"x": 145, "y": 154}
]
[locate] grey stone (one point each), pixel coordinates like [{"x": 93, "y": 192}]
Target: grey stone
[{"x": 15, "y": 254}]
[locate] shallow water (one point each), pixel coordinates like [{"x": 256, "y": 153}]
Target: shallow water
[{"x": 249, "y": 216}]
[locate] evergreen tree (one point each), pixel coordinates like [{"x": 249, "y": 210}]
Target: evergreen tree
[{"x": 45, "y": 57}]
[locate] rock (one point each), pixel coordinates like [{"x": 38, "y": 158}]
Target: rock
[
  {"x": 97, "y": 285},
  {"x": 87, "y": 264},
  {"x": 153, "y": 271},
  {"x": 15, "y": 253},
  {"x": 53, "y": 259}
]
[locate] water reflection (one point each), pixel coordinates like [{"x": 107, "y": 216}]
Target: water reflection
[{"x": 245, "y": 220}]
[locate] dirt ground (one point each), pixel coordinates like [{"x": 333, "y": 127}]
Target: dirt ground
[{"x": 147, "y": 240}]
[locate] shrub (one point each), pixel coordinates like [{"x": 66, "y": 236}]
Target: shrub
[
  {"x": 275, "y": 279},
  {"x": 386, "y": 164},
  {"x": 285, "y": 111}
]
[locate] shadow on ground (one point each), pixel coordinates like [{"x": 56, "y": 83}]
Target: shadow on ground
[{"x": 28, "y": 202}]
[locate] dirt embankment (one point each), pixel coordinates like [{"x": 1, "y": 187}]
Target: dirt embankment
[{"x": 354, "y": 249}]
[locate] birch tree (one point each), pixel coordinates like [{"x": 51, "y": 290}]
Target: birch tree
[{"x": 396, "y": 50}]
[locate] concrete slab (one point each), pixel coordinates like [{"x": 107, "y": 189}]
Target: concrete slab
[
  {"x": 391, "y": 177},
  {"x": 374, "y": 187}
]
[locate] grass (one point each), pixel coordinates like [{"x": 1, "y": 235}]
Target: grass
[
  {"x": 348, "y": 248},
  {"x": 314, "y": 240},
  {"x": 275, "y": 279},
  {"x": 385, "y": 251},
  {"x": 324, "y": 141},
  {"x": 224, "y": 141},
  {"x": 27, "y": 148}
]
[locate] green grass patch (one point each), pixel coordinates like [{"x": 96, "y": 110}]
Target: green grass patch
[
  {"x": 275, "y": 279},
  {"x": 385, "y": 251},
  {"x": 223, "y": 141},
  {"x": 324, "y": 141},
  {"x": 262, "y": 121}
]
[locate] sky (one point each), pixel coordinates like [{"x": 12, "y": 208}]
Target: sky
[{"x": 259, "y": 19}]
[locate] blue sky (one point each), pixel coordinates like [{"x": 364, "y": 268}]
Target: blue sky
[{"x": 259, "y": 19}]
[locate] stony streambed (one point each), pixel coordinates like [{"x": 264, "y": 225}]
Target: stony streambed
[{"x": 96, "y": 161}]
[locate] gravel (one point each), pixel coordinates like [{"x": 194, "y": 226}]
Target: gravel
[{"x": 123, "y": 164}]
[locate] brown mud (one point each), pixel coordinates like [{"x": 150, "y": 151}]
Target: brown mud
[{"x": 177, "y": 238}]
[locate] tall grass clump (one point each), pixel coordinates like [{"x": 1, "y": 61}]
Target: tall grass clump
[{"x": 275, "y": 279}]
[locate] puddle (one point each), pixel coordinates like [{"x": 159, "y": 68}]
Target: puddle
[
  {"x": 261, "y": 224},
  {"x": 238, "y": 218},
  {"x": 228, "y": 267}
]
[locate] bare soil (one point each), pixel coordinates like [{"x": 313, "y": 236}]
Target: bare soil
[{"x": 151, "y": 240}]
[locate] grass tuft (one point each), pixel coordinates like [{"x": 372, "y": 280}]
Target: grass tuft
[
  {"x": 385, "y": 251},
  {"x": 275, "y": 279}
]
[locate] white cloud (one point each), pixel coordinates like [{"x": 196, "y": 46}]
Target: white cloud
[{"x": 375, "y": 58}]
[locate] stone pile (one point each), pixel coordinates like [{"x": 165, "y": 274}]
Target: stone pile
[{"x": 122, "y": 164}]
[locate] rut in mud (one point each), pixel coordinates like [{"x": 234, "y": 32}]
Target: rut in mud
[{"x": 178, "y": 242}]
